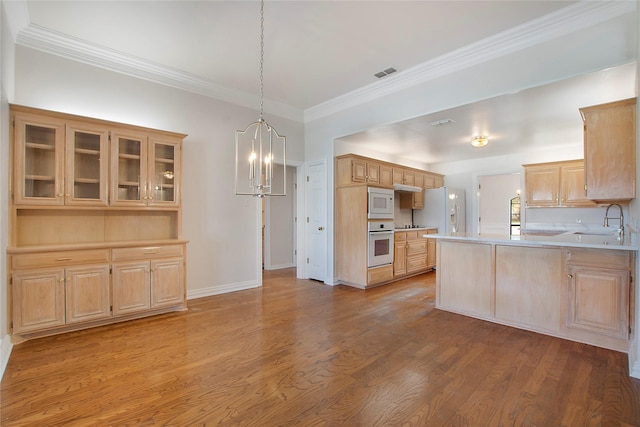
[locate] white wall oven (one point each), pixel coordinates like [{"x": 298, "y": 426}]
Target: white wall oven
[
  {"x": 380, "y": 203},
  {"x": 380, "y": 243}
]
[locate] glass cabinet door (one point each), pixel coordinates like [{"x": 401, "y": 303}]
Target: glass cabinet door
[
  {"x": 129, "y": 169},
  {"x": 39, "y": 164},
  {"x": 86, "y": 170},
  {"x": 164, "y": 176}
]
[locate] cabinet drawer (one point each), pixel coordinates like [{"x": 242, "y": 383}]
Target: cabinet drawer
[
  {"x": 417, "y": 247},
  {"x": 412, "y": 235},
  {"x": 147, "y": 252},
  {"x": 379, "y": 274},
  {"x": 52, "y": 259},
  {"x": 416, "y": 263},
  {"x": 400, "y": 236},
  {"x": 599, "y": 257}
]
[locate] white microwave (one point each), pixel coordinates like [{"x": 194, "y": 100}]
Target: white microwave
[{"x": 380, "y": 203}]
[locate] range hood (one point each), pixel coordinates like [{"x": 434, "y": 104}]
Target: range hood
[{"x": 407, "y": 188}]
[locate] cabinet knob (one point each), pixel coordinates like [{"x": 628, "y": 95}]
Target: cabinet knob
[
  {"x": 570, "y": 276},
  {"x": 320, "y": 228}
]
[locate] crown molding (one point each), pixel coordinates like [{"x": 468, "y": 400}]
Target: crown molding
[
  {"x": 556, "y": 24},
  {"x": 564, "y": 21},
  {"x": 63, "y": 45}
]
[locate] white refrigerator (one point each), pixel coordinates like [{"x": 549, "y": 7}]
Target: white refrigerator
[{"x": 444, "y": 208}]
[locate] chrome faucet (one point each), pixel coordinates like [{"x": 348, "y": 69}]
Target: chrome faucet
[{"x": 621, "y": 219}]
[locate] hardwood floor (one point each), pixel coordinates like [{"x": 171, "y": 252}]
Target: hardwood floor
[{"x": 297, "y": 352}]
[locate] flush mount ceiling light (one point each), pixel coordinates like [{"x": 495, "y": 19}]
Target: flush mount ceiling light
[
  {"x": 479, "y": 141},
  {"x": 258, "y": 146},
  {"x": 385, "y": 73}
]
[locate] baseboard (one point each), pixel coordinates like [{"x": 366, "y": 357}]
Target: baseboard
[
  {"x": 5, "y": 352},
  {"x": 221, "y": 289},
  {"x": 280, "y": 266}
]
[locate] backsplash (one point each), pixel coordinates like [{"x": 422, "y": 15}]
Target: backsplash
[
  {"x": 401, "y": 217},
  {"x": 573, "y": 218}
]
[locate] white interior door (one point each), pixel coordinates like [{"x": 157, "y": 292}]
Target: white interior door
[
  {"x": 316, "y": 229},
  {"x": 494, "y": 195}
]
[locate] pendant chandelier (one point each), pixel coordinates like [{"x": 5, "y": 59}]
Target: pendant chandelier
[{"x": 258, "y": 147}]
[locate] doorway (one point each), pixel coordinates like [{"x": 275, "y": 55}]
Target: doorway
[
  {"x": 279, "y": 234},
  {"x": 494, "y": 202}
]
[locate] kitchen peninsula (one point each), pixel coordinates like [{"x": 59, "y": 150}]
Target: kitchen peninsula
[{"x": 575, "y": 285}]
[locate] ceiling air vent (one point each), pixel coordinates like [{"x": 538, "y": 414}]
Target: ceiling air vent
[
  {"x": 386, "y": 72},
  {"x": 442, "y": 122}
]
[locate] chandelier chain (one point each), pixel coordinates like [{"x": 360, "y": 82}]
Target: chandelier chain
[{"x": 261, "y": 59}]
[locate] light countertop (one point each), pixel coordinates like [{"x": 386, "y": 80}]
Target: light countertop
[{"x": 576, "y": 239}]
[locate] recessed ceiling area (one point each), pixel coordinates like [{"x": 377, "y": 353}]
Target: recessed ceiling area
[{"x": 539, "y": 118}]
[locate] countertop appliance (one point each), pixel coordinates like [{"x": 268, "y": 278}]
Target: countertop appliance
[
  {"x": 380, "y": 204},
  {"x": 444, "y": 208},
  {"x": 380, "y": 243}
]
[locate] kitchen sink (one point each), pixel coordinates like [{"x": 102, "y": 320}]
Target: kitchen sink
[{"x": 596, "y": 233}]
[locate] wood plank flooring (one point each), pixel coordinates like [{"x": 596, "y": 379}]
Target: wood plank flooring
[{"x": 297, "y": 352}]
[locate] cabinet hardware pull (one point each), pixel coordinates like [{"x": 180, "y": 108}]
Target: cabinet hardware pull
[
  {"x": 570, "y": 276},
  {"x": 150, "y": 252},
  {"x": 60, "y": 194},
  {"x": 64, "y": 259}
]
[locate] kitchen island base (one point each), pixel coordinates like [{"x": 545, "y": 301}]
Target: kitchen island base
[{"x": 580, "y": 294}]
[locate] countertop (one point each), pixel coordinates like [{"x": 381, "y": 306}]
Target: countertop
[
  {"x": 415, "y": 229},
  {"x": 576, "y": 239}
]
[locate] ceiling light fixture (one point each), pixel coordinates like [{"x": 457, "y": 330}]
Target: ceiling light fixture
[
  {"x": 479, "y": 141},
  {"x": 258, "y": 146}
]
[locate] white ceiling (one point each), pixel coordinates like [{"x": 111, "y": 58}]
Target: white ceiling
[{"x": 317, "y": 52}]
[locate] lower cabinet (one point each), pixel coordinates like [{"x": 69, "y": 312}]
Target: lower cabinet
[
  {"x": 140, "y": 286},
  {"x": 71, "y": 292},
  {"x": 413, "y": 253},
  {"x": 598, "y": 293},
  {"x": 581, "y": 294}
]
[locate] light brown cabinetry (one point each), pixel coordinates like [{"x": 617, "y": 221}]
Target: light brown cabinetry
[
  {"x": 556, "y": 184},
  {"x": 46, "y": 298},
  {"x": 582, "y": 294},
  {"x": 58, "y": 162},
  {"x": 464, "y": 283},
  {"x": 411, "y": 254},
  {"x": 144, "y": 170},
  {"x": 598, "y": 293},
  {"x": 75, "y": 209},
  {"x": 610, "y": 150},
  {"x": 431, "y": 250},
  {"x": 352, "y": 169},
  {"x": 412, "y": 200},
  {"x": 154, "y": 281},
  {"x": 528, "y": 286}
]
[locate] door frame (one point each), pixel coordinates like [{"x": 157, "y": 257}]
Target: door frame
[{"x": 476, "y": 199}]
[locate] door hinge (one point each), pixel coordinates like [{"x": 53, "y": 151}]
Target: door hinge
[
  {"x": 307, "y": 260},
  {"x": 11, "y": 325},
  {"x": 307, "y": 219},
  {"x": 111, "y": 308},
  {"x": 307, "y": 178},
  {"x": 295, "y": 252},
  {"x": 630, "y": 279},
  {"x": 110, "y": 270},
  {"x": 13, "y": 123}
]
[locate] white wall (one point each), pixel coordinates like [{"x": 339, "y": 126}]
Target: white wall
[
  {"x": 6, "y": 90},
  {"x": 221, "y": 227}
]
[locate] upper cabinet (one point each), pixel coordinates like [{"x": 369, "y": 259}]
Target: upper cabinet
[
  {"x": 63, "y": 160},
  {"x": 610, "y": 150},
  {"x": 58, "y": 162},
  {"x": 145, "y": 171},
  {"x": 352, "y": 169},
  {"x": 556, "y": 184}
]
